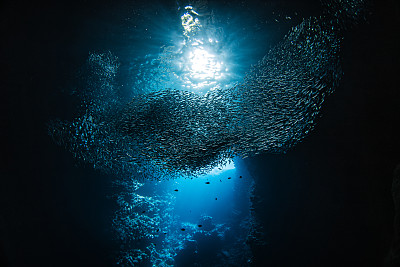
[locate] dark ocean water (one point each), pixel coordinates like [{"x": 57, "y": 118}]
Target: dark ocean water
[{"x": 326, "y": 202}]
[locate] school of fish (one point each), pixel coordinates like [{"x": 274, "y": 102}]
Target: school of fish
[{"x": 169, "y": 133}]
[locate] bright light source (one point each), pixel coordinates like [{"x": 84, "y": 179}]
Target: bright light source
[
  {"x": 201, "y": 64},
  {"x": 220, "y": 169},
  {"x": 204, "y": 65}
]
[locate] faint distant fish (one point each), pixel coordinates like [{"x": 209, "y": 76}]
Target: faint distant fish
[
  {"x": 240, "y": 176},
  {"x": 207, "y": 182},
  {"x": 176, "y": 190},
  {"x": 199, "y": 225},
  {"x": 143, "y": 211},
  {"x": 229, "y": 177},
  {"x": 216, "y": 198},
  {"x": 183, "y": 229}
]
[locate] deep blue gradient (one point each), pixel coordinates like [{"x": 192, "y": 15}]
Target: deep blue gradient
[
  {"x": 196, "y": 198},
  {"x": 206, "y": 220}
]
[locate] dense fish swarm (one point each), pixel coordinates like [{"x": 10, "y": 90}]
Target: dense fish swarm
[{"x": 169, "y": 132}]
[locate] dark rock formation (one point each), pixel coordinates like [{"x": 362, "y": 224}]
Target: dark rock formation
[{"x": 394, "y": 254}]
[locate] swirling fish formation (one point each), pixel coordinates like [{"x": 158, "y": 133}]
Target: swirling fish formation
[{"x": 171, "y": 133}]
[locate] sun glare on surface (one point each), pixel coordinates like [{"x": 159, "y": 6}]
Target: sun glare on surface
[{"x": 204, "y": 65}]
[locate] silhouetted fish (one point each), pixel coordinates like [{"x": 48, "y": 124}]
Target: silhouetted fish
[
  {"x": 176, "y": 190},
  {"x": 215, "y": 198},
  {"x": 183, "y": 229},
  {"x": 240, "y": 176},
  {"x": 207, "y": 182},
  {"x": 229, "y": 177},
  {"x": 199, "y": 225}
]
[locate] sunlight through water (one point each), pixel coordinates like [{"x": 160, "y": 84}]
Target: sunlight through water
[
  {"x": 192, "y": 111},
  {"x": 203, "y": 66}
]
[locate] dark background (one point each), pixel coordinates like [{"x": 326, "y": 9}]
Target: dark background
[{"x": 326, "y": 203}]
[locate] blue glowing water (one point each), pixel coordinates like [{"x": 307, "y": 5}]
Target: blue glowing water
[
  {"x": 205, "y": 220},
  {"x": 195, "y": 108}
]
